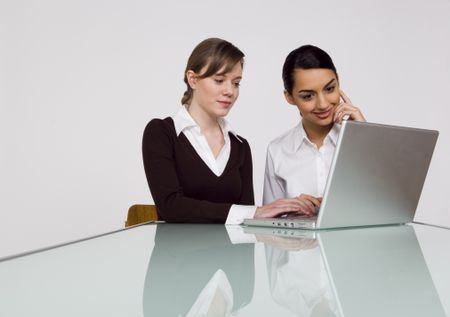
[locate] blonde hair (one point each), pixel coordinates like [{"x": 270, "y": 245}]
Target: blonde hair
[{"x": 217, "y": 55}]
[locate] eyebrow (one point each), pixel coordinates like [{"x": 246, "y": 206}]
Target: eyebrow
[
  {"x": 225, "y": 75},
  {"x": 308, "y": 90}
]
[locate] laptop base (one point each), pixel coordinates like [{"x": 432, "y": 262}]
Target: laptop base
[{"x": 292, "y": 223}]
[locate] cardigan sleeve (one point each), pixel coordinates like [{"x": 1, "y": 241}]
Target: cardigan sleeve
[
  {"x": 171, "y": 203},
  {"x": 247, "y": 195}
]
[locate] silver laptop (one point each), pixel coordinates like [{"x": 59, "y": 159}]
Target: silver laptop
[
  {"x": 376, "y": 178},
  {"x": 281, "y": 232}
]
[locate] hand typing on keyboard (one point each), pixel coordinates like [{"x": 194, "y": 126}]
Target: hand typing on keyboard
[
  {"x": 310, "y": 204},
  {"x": 294, "y": 215}
]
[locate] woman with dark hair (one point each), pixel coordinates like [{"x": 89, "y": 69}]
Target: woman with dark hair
[
  {"x": 198, "y": 169},
  {"x": 298, "y": 161}
]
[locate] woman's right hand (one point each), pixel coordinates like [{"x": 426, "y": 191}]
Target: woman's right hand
[
  {"x": 278, "y": 208},
  {"x": 346, "y": 108},
  {"x": 282, "y": 206}
]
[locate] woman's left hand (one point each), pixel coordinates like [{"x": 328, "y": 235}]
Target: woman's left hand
[{"x": 346, "y": 108}]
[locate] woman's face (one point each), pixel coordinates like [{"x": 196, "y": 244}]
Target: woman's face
[
  {"x": 216, "y": 94},
  {"x": 316, "y": 94}
]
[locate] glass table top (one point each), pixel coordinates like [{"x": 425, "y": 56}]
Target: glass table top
[{"x": 214, "y": 270}]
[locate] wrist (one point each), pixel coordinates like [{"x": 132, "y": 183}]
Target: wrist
[{"x": 259, "y": 210}]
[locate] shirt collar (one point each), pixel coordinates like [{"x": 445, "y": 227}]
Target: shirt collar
[
  {"x": 301, "y": 136},
  {"x": 334, "y": 133},
  {"x": 183, "y": 120}
]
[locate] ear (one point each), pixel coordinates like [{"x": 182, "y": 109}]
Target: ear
[
  {"x": 288, "y": 97},
  {"x": 191, "y": 78}
]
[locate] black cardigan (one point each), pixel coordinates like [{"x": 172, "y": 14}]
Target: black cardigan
[{"x": 182, "y": 185}]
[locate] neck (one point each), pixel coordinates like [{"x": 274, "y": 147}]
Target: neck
[
  {"x": 316, "y": 133},
  {"x": 205, "y": 121}
]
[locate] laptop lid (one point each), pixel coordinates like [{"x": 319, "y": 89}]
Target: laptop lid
[{"x": 376, "y": 176}]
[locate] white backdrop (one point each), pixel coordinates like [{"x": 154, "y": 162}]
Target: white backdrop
[{"x": 79, "y": 80}]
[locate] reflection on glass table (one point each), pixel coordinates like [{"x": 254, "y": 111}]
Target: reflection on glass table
[
  {"x": 298, "y": 280},
  {"x": 195, "y": 270},
  {"x": 377, "y": 271}
]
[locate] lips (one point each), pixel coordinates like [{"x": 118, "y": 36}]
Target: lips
[
  {"x": 224, "y": 103},
  {"x": 323, "y": 114}
]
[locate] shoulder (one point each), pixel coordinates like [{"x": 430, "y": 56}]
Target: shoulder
[
  {"x": 239, "y": 140},
  {"x": 159, "y": 126},
  {"x": 159, "y": 133}
]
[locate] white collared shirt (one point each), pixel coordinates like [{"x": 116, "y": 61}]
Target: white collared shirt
[
  {"x": 185, "y": 124},
  {"x": 294, "y": 165}
]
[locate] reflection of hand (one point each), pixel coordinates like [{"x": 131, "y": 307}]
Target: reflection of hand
[
  {"x": 346, "y": 108},
  {"x": 279, "y": 207},
  {"x": 288, "y": 244}
]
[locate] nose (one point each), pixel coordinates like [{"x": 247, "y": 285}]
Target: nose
[
  {"x": 322, "y": 102},
  {"x": 228, "y": 88}
]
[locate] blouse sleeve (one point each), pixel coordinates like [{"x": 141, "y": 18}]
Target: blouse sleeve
[
  {"x": 272, "y": 188},
  {"x": 172, "y": 205}
]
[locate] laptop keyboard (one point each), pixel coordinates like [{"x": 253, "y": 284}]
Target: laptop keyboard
[{"x": 297, "y": 217}]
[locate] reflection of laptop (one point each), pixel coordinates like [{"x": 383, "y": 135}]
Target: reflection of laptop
[
  {"x": 376, "y": 178},
  {"x": 379, "y": 271}
]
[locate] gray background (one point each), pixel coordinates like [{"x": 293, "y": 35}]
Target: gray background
[{"x": 79, "y": 80}]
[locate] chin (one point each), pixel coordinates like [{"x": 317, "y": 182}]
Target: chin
[
  {"x": 223, "y": 112},
  {"x": 324, "y": 123}
]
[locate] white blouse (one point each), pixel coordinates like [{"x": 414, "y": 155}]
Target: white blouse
[{"x": 294, "y": 165}]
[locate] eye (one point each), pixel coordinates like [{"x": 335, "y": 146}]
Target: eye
[
  {"x": 330, "y": 89},
  {"x": 218, "y": 81},
  {"x": 306, "y": 97},
  {"x": 237, "y": 84}
]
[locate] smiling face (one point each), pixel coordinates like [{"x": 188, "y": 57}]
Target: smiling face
[
  {"x": 215, "y": 95},
  {"x": 316, "y": 94}
]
